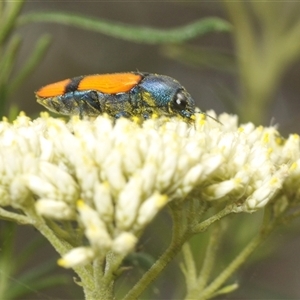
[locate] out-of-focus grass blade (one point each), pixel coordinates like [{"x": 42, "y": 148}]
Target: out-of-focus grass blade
[
  {"x": 37, "y": 279},
  {"x": 9, "y": 13},
  {"x": 201, "y": 57},
  {"x": 6, "y": 65},
  {"x": 34, "y": 59}
]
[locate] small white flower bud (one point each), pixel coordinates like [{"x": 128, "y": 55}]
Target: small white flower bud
[
  {"x": 19, "y": 192},
  {"x": 124, "y": 243},
  {"x": 76, "y": 257},
  {"x": 262, "y": 195},
  {"x": 103, "y": 202},
  {"x": 61, "y": 180},
  {"x": 291, "y": 147},
  {"x": 55, "y": 209},
  {"x": 95, "y": 229},
  {"x": 193, "y": 175},
  {"x": 148, "y": 177},
  {"x": 41, "y": 187},
  {"x": 150, "y": 208},
  {"x": 167, "y": 169},
  {"x": 211, "y": 163},
  {"x": 128, "y": 203},
  {"x": 113, "y": 168},
  {"x": 219, "y": 190},
  {"x": 46, "y": 149}
]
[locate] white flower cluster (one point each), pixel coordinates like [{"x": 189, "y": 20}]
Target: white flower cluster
[{"x": 113, "y": 177}]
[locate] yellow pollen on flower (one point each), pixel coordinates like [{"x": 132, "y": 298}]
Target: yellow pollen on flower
[
  {"x": 162, "y": 200},
  {"x": 193, "y": 117},
  {"x": 270, "y": 150},
  {"x": 106, "y": 184},
  {"x": 266, "y": 138},
  {"x": 154, "y": 116},
  {"x": 44, "y": 114},
  {"x": 61, "y": 262},
  {"x": 279, "y": 140},
  {"x": 273, "y": 181},
  {"x": 202, "y": 120},
  {"x": 75, "y": 119},
  {"x": 293, "y": 166},
  {"x": 202, "y": 116},
  {"x": 241, "y": 129},
  {"x": 237, "y": 180},
  {"x": 136, "y": 119},
  {"x": 80, "y": 203},
  {"x": 295, "y": 136}
]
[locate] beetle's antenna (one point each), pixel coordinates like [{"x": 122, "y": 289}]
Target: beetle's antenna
[
  {"x": 212, "y": 118},
  {"x": 197, "y": 110}
]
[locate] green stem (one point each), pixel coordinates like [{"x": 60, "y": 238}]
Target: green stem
[
  {"x": 13, "y": 217},
  {"x": 233, "y": 266},
  {"x": 179, "y": 237},
  {"x": 210, "y": 257},
  {"x": 59, "y": 245},
  {"x": 93, "y": 292},
  {"x": 113, "y": 262},
  {"x": 177, "y": 219},
  {"x": 98, "y": 269},
  {"x": 61, "y": 233},
  {"x": 62, "y": 247},
  {"x": 173, "y": 249},
  {"x": 218, "y": 216},
  {"x": 189, "y": 267}
]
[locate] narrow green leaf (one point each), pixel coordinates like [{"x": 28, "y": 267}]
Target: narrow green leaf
[{"x": 133, "y": 33}]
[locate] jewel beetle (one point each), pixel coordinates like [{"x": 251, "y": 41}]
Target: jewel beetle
[{"x": 131, "y": 94}]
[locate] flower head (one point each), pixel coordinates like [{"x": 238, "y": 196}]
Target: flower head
[{"x": 125, "y": 173}]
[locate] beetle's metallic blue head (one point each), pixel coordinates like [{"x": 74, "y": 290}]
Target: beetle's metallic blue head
[{"x": 167, "y": 94}]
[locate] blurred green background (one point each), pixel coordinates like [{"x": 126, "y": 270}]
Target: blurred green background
[
  {"x": 221, "y": 70},
  {"x": 253, "y": 71}
]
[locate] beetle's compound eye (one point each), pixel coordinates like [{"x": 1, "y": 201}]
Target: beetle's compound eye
[{"x": 180, "y": 101}]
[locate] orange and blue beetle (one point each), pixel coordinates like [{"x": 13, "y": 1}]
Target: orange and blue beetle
[{"x": 129, "y": 95}]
